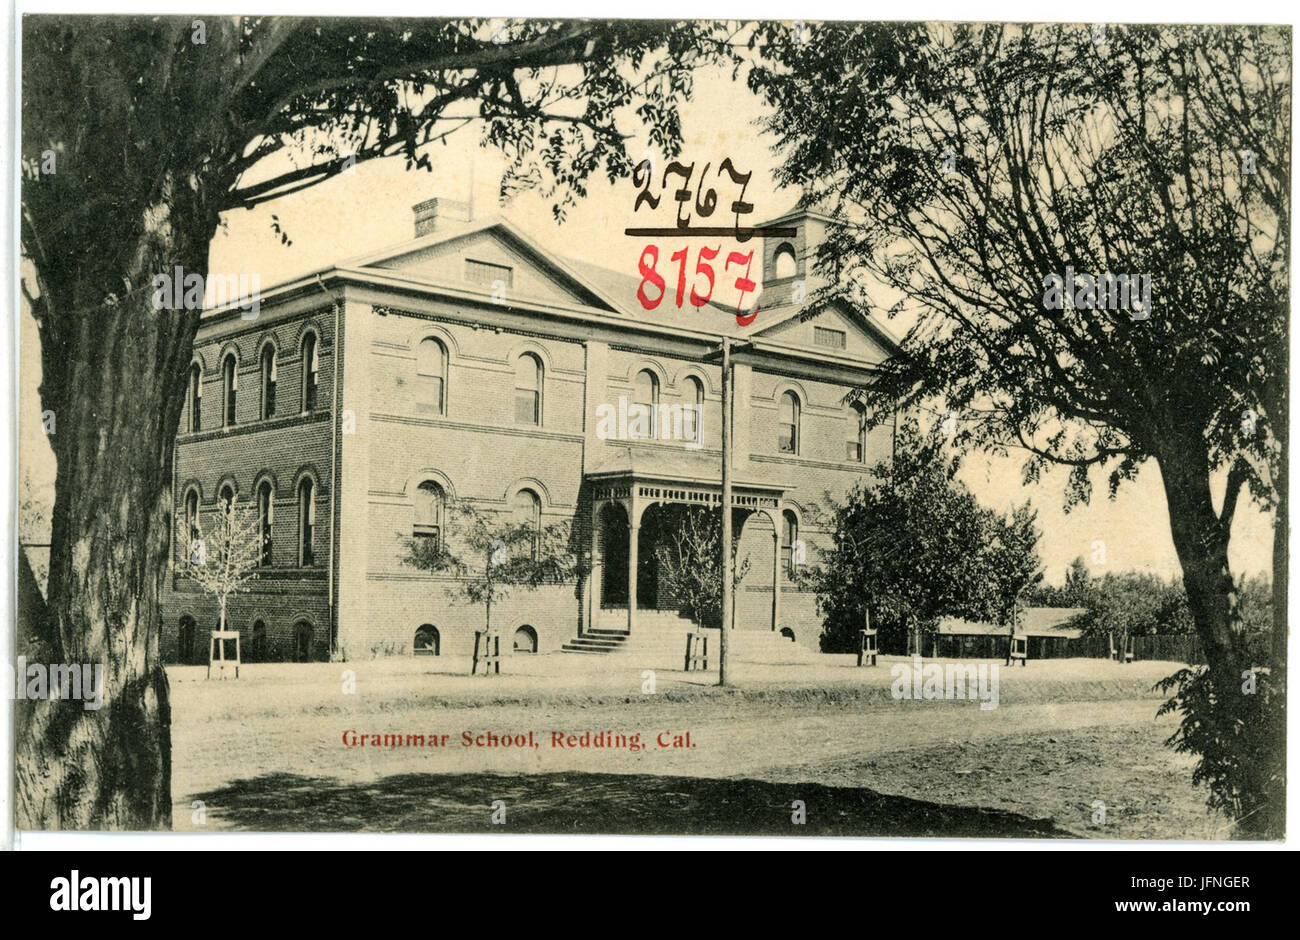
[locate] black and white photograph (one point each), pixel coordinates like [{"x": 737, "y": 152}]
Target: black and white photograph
[{"x": 536, "y": 425}]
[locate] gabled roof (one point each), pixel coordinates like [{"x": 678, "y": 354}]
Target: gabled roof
[
  {"x": 779, "y": 313},
  {"x": 596, "y": 295},
  {"x": 712, "y": 317},
  {"x": 531, "y": 247},
  {"x": 783, "y": 313},
  {"x": 613, "y": 290}
]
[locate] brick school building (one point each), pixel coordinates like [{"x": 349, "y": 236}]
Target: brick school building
[{"x": 471, "y": 363}]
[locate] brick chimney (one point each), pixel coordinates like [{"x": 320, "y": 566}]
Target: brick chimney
[{"x": 430, "y": 213}]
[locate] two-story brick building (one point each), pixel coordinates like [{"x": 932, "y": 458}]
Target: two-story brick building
[{"x": 472, "y": 364}]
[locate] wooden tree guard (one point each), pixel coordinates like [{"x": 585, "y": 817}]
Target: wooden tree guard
[
  {"x": 867, "y": 649},
  {"x": 1019, "y": 648},
  {"x": 217, "y": 652},
  {"x": 487, "y": 653},
  {"x": 1115, "y": 654},
  {"x": 697, "y": 652},
  {"x": 1128, "y": 649}
]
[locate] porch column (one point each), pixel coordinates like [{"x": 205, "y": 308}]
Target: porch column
[
  {"x": 633, "y": 531},
  {"x": 597, "y": 572},
  {"x": 776, "y": 576}
]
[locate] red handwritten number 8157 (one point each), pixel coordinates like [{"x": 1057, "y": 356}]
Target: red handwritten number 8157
[{"x": 649, "y": 263}]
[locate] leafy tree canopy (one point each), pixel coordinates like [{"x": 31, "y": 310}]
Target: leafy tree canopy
[
  {"x": 972, "y": 162},
  {"x": 490, "y": 555},
  {"x": 915, "y": 545},
  {"x": 690, "y": 562}
]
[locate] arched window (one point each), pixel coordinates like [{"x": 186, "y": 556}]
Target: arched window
[
  {"x": 645, "y": 396},
  {"x": 790, "y": 556},
  {"x": 302, "y": 641},
  {"x": 527, "y": 511},
  {"x": 693, "y": 411},
  {"x": 257, "y": 647},
  {"x": 229, "y": 389},
  {"x": 196, "y": 397},
  {"x": 268, "y": 381},
  {"x": 223, "y": 536},
  {"x": 788, "y": 432},
  {"x": 192, "y": 512},
  {"x": 431, "y": 377},
  {"x": 306, "y": 521},
  {"x": 190, "y": 549},
  {"x": 783, "y": 262},
  {"x": 855, "y": 448},
  {"x": 525, "y": 640},
  {"x": 185, "y": 640},
  {"x": 427, "y": 641},
  {"x": 310, "y": 372},
  {"x": 429, "y": 505},
  {"x": 265, "y": 515},
  {"x": 528, "y": 390}
]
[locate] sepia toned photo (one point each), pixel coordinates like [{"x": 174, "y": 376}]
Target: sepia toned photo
[{"x": 652, "y": 427}]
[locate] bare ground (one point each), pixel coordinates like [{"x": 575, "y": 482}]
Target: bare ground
[{"x": 266, "y": 753}]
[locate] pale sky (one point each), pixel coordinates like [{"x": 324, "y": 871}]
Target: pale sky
[{"x": 370, "y": 208}]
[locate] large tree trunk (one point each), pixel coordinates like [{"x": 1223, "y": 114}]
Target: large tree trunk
[
  {"x": 1201, "y": 541},
  {"x": 114, "y": 375},
  {"x": 1280, "y": 412},
  {"x": 1281, "y": 528}
]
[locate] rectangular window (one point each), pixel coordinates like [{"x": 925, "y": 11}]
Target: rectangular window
[
  {"x": 486, "y": 273},
  {"x": 785, "y": 439},
  {"x": 432, "y": 532},
  {"x": 831, "y": 339},
  {"x": 525, "y": 406},
  {"x": 853, "y": 451},
  {"x": 428, "y": 394},
  {"x": 691, "y": 424}
]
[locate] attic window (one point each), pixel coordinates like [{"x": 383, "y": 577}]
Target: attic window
[
  {"x": 482, "y": 272},
  {"x": 831, "y": 339}
]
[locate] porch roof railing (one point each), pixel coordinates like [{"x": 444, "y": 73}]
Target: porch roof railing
[{"x": 702, "y": 492}]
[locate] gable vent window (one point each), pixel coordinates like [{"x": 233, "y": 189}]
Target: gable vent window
[
  {"x": 831, "y": 339},
  {"x": 481, "y": 272}
]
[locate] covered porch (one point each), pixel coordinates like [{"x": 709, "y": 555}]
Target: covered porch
[{"x": 637, "y": 506}]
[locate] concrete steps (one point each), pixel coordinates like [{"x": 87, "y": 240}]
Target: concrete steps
[
  {"x": 660, "y": 641},
  {"x": 597, "y": 641},
  {"x": 660, "y": 635}
]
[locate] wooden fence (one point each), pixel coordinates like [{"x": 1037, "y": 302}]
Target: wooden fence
[{"x": 1178, "y": 649}]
